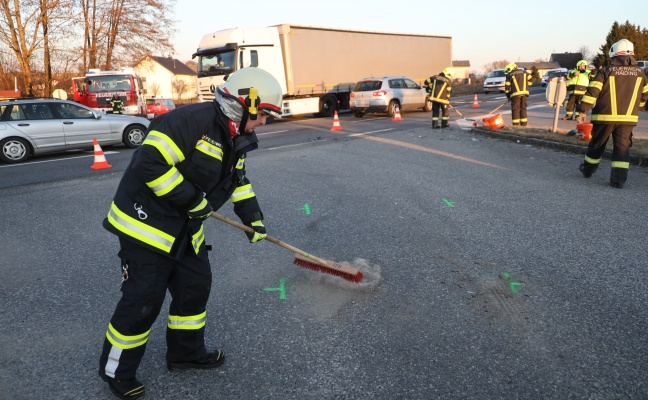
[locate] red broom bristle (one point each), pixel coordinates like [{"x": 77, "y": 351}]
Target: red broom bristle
[{"x": 320, "y": 268}]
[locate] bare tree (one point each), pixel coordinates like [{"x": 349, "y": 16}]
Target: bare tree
[
  {"x": 495, "y": 65},
  {"x": 180, "y": 87},
  {"x": 586, "y": 53}
]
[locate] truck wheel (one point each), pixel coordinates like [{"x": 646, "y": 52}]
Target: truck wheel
[
  {"x": 358, "y": 114},
  {"x": 328, "y": 105},
  {"x": 391, "y": 108}
]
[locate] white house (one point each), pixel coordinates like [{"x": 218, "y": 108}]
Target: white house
[{"x": 167, "y": 77}]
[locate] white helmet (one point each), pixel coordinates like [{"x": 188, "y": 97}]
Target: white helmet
[
  {"x": 622, "y": 48},
  {"x": 256, "y": 90}
]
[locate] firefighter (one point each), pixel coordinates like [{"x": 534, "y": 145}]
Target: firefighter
[
  {"x": 439, "y": 88},
  {"x": 116, "y": 104},
  {"x": 517, "y": 91},
  {"x": 617, "y": 93},
  {"x": 190, "y": 163},
  {"x": 579, "y": 79}
]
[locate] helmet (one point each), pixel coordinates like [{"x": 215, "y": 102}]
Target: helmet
[
  {"x": 510, "y": 67},
  {"x": 622, "y": 48},
  {"x": 581, "y": 62},
  {"x": 256, "y": 90},
  {"x": 448, "y": 72}
]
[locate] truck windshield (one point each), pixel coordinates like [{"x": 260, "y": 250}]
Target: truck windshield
[
  {"x": 109, "y": 83},
  {"x": 217, "y": 63}
]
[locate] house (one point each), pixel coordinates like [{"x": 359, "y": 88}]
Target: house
[
  {"x": 566, "y": 60},
  {"x": 541, "y": 66},
  {"x": 167, "y": 77},
  {"x": 462, "y": 69}
]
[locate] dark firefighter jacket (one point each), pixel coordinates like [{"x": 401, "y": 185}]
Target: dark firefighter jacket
[
  {"x": 578, "y": 81},
  {"x": 439, "y": 89},
  {"x": 517, "y": 83},
  {"x": 117, "y": 105},
  {"x": 619, "y": 91},
  {"x": 188, "y": 153}
]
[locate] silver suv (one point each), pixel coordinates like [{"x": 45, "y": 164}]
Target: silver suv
[{"x": 379, "y": 95}]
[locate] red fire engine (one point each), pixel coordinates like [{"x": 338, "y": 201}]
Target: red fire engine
[{"x": 97, "y": 88}]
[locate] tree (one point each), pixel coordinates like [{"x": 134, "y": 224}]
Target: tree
[
  {"x": 535, "y": 75},
  {"x": 638, "y": 36},
  {"x": 586, "y": 53},
  {"x": 495, "y": 65},
  {"x": 179, "y": 86}
]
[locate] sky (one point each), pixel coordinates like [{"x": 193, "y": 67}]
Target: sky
[{"x": 482, "y": 31}]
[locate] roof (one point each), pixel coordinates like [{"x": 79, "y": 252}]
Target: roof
[
  {"x": 175, "y": 66},
  {"x": 461, "y": 63},
  {"x": 539, "y": 65},
  {"x": 9, "y": 94},
  {"x": 566, "y": 60}
]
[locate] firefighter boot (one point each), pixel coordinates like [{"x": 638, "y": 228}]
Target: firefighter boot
[
  {"x": 435, "y": 125},
  {"x": 618, "y": 177},
  {"x": 587, "y": 169},
  {"x": 445, "y": 124},
  {"x": 209, "y": 361},
  {"x": 125, "y": 389}
]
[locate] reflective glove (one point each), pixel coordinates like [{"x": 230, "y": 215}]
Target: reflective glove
[
  {"x": 202, "y": 210},
  {"x": 259, "y": 232},
  {"x": 581, "y": 118}
]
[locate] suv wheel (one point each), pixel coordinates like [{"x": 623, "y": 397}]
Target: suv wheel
[{"x": 391, "y": 108}]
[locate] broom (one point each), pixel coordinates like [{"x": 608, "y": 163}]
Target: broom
[{"x": 302, "y": 258}]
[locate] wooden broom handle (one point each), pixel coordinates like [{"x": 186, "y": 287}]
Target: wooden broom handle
[{"x": 268, "y": 238}]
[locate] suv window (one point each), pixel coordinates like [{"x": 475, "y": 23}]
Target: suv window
[
  {"x": 366, "y": 86},
  {"x": 396, "y": 84}
]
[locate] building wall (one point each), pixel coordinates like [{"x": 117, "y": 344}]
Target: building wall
[{"x": 159, "y": 81}]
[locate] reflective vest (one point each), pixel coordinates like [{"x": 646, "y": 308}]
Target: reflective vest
[
  {"x": 619, "y": 90},
  {"x": 439, "y": 89},
  {"x": 578, "y": 82},
  {"x": 517, "y": 83},
  {"x": 187, "y": 156}
]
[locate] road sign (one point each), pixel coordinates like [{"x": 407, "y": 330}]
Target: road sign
[{"x": 556, "y": 91}]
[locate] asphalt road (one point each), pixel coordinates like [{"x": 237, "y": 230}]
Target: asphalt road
[{"x": 494, "y": 271}]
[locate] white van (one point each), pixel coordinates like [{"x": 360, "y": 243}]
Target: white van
[
  {"x": 553, "y": 73},
  {"x": 495, "y": 81}
]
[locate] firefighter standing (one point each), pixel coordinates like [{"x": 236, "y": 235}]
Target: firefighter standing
[
  {"x": 579, "y": 79},
  {"x": 439, "y": 88},
  {"x": 517, "y": 91},
  {"x": 191, "y": 162},
  {"x": 619, "y": 90},
  {"x": 116, "y": 104}
]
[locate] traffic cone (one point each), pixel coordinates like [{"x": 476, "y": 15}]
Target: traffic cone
[
  {"x": 99, "y": 157},
  {"x": 397, "y": 117},
  {"x": 475, "y": 102},
  {"x": 336, "y": 123}
]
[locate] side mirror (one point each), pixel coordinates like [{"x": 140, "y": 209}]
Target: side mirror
[{"x": 97, "y": 114}]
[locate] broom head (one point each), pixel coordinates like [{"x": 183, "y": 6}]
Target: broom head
[{"x": 342, "y": 270}]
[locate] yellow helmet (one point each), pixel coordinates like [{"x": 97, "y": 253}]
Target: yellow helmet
[
  {"x": 510, "y": 67},
  {"x": 256, "y": 90},
  {"x": 581, "y": 62},
  {"x": 449, "y": 72}
]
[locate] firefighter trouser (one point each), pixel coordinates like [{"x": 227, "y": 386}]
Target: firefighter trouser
[
  {"x": 622, "y": 141},
  {"x": 519, "y": 110},
  {"x": 440, "y": 110},
  {"x": 574, "y": 101},
  {"x": 149, "y": 276}
]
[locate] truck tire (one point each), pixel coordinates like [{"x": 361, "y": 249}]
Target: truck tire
[
  {"x": 328, "y": 105},
  {"x": 358, "y": 114}
]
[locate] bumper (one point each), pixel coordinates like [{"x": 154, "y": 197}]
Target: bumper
[{"x": 368, "y": 106}]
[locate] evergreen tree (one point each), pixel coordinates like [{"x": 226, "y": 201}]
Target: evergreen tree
[{"x": 638, "y": 37}]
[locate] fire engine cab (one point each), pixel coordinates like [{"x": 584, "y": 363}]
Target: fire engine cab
[{"x": 97, "y": 88}]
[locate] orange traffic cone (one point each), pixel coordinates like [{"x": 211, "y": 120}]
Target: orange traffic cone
[
  {"x": 99, "y": 157},
  {"x": 336, "y": 123},
  {"x": 475, "y": 102},
  {"x": 397, "y": 117}
]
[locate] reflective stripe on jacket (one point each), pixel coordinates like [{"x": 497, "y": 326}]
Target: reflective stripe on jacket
[
  {"x": 517, "y": 83},
  {"x": 187, "y": 156},
  {"x": 619, "y": 90},
  {"x": 578, "y": 82},
  {"x": 439, "y": 89}
]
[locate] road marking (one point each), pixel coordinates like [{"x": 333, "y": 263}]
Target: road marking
[
  {"x": 58, "y": 159},
  {"x": 450, "y": 203},
  {"x": 306, "y": 209},
  {"x": 281, "y": 289},
  {"x": 270, "y": 133}
]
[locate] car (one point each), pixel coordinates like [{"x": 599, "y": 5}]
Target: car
[
  {"x": 38, "y": 126},
  {"x": 383, "y": 95},
  {"x": 158, "y": 105},
  {"x": 495, "y": 81},
  {"x": 553, "y": 73}
]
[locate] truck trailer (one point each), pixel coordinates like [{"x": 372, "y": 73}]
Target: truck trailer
[{"x": 317, "y": 67}]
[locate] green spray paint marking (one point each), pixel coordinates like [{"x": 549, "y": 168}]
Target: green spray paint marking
[
  {"x": 306, "y": 209},
  {"x": 450, "y": 203},
  {"x": 512, "y": 285},
  {"x": 281, "y": 289}
]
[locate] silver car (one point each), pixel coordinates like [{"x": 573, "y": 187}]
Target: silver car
[
  {"x": 39, "y": 126},
  {"x": 384, "y": 94}
]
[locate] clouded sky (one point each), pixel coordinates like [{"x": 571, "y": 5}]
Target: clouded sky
[{"x": 482, "y": 31}]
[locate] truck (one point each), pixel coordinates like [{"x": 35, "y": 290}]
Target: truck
[
  {"x": 317, "y": 67},
  {"x": 97, "y": 88}
]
